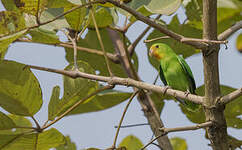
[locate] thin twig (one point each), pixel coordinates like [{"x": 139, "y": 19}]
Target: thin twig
[
  {"x": 124, "y": 81},
  {"x": 204, "y": 40},
  {"x": 159, "y": 27},
  {"x": 155, "y": 39},
  {"x": 133, "y": 125},
  {"x": 122, "y": 118},
  {"x": 131, "y": 47},
  {"x": 226, "y": 34},
  {"x": 111, "y": 56},
  {"x": 36, "y": 123},
  {"x": 187, "y": 128},
  {"x": 38, "y": 13},
  {"x": 230, "y": 97},
  {"x": 73, "y": 41},
  {"x": 25, "y": 127},
  {"x": 57, "y": 17},
  {"x": 77, "y": 104},
  {"x": 156, "y": 78},
  {"x": 101, "y": 43},
  {"x": 168, "y": 130}
]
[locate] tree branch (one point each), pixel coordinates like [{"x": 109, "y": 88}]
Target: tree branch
[
  {"x": 124, "y": 81},
  {"x": 226, "y": 34},
  {"x": 77, "y": 104},
  {"x": 101, "y": 43},
  {"x": 122, "y": 118},
  {"x": 187, "y": 128},
  {"x": 230, "y": 97},
  {"x": 153, "y": 24},
  {"x": 111, "y": 56}
]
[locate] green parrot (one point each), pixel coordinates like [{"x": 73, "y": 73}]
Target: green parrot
[{"x": 175, "y": 72}]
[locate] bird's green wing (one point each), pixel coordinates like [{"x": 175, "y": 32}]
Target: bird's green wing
[
  {"x": 162, "y": 77},
  {"x": 188, "y": 73}
]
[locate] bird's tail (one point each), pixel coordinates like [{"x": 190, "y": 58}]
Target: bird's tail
[{"x": 189, "y": 105}]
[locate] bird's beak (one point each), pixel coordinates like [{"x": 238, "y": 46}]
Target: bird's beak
[{"x": 151, "y": 52}]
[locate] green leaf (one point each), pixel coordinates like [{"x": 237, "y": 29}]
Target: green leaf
[
  {"x": 98, "y": 61},
  {"x": 181, "y": 49},
  {"x": 35, "y": 141},
  {"x": 232, "y": 112},
  {"x": 7, "y": 40},
  {"x": 58, "y": 3},
  {"x": 131, "y": 142},
  {"x": 68, "y": 145},
  {"x": 75, "y": 18},
  {"x": 44, "y": 36},
  {"x": 19, "y": 121},
  {"x": 166, "y": 7},
  {"x": 9, "y": 5},
  {"x": 74, "y": 90},
  {"x": 102, "y": 101},
  {"x": 143, "y": 10},
  {"x": 31, "y": 7},
  {"x": 20, "y": 92},
  {"x": 178, "y": 143},
  {"x": 55, "y": 25},
  {"x": 239, "y": 43},
  {"x": 6, "y": 122},
  {"x": 102, "y": 16}
]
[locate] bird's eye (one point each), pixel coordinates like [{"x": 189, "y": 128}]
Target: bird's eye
[{"x": 157, "y": 46}]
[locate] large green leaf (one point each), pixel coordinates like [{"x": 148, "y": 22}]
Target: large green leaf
[
  {"x": 6, "y": 122},
  {"x": 131, "y": 142},
  {"x": 20, "y": 92},
  {"x": 59, "y": 3},
  {"x": 166, "y": 7},
  {"x": 44, "y": 36},
  {"x": 102, "y": 16},
  {"x": 98, "y": 61},
  {"x": 9, "y": 5},
  {"x": 178, "y": 47},
  {"x": 69, "y": 145},
  {"x": 234, "y": 144},
  {"x": 35, "y": 141},
  {"x": 19, "y": 121},
  {"x": 74, "y": 90},
  {"x": 55, "y": 25},
  {"x": 31, "y": 6},
  {"x": 102, "y": 101},
  {"x": 232, "y": 112},
  {"x": 178, "y": 143},
  {"x": 75, "y": 18},
  {"x": 239, "y": 43}
]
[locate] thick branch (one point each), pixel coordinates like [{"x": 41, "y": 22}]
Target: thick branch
[
  {"x": 153, "y": 24},
  {"x": 226, "y": 34},
  {"x": 217, "y": 133},
  {"x": 124, "y": 81},
  {"x": 144, "y": 99},
  {"x": 230, "y": 97}
]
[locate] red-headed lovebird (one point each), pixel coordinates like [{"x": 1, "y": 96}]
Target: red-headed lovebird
[{"x": 174, "y": 72}]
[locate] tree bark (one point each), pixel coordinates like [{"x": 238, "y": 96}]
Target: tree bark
[
  {"x": 217, "y": 133},
  {"x": 144, "y": 99}
]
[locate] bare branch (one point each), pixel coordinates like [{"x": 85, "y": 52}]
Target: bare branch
[
  {"x": 77, "y": 104},
  {"x": 38, "y": 128},
  {"x": 101, "y": 43},
  {"x": 158, "y": 38},
  {"x": 153, "y": 24},
  {"x": 122, "y": 118},
  {"x": 131, "y": 47},
  {"x": 111, "y": 56},
  {"x": 124, "y": 81},
  {"x": 187, "y": 128},
  {"x": 132, "y": 125},
  {"x": 204, "y": 40},
  {"x": 230, "y": 97},
  {"x": 226, "y": 34}
]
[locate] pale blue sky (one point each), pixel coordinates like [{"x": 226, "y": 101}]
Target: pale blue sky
[{"x": 97, "y": 129}]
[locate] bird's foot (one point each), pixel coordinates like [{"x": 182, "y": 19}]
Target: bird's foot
[
  {"x": 187, "y": 93},
  {"x": 165, "y": 89}
]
